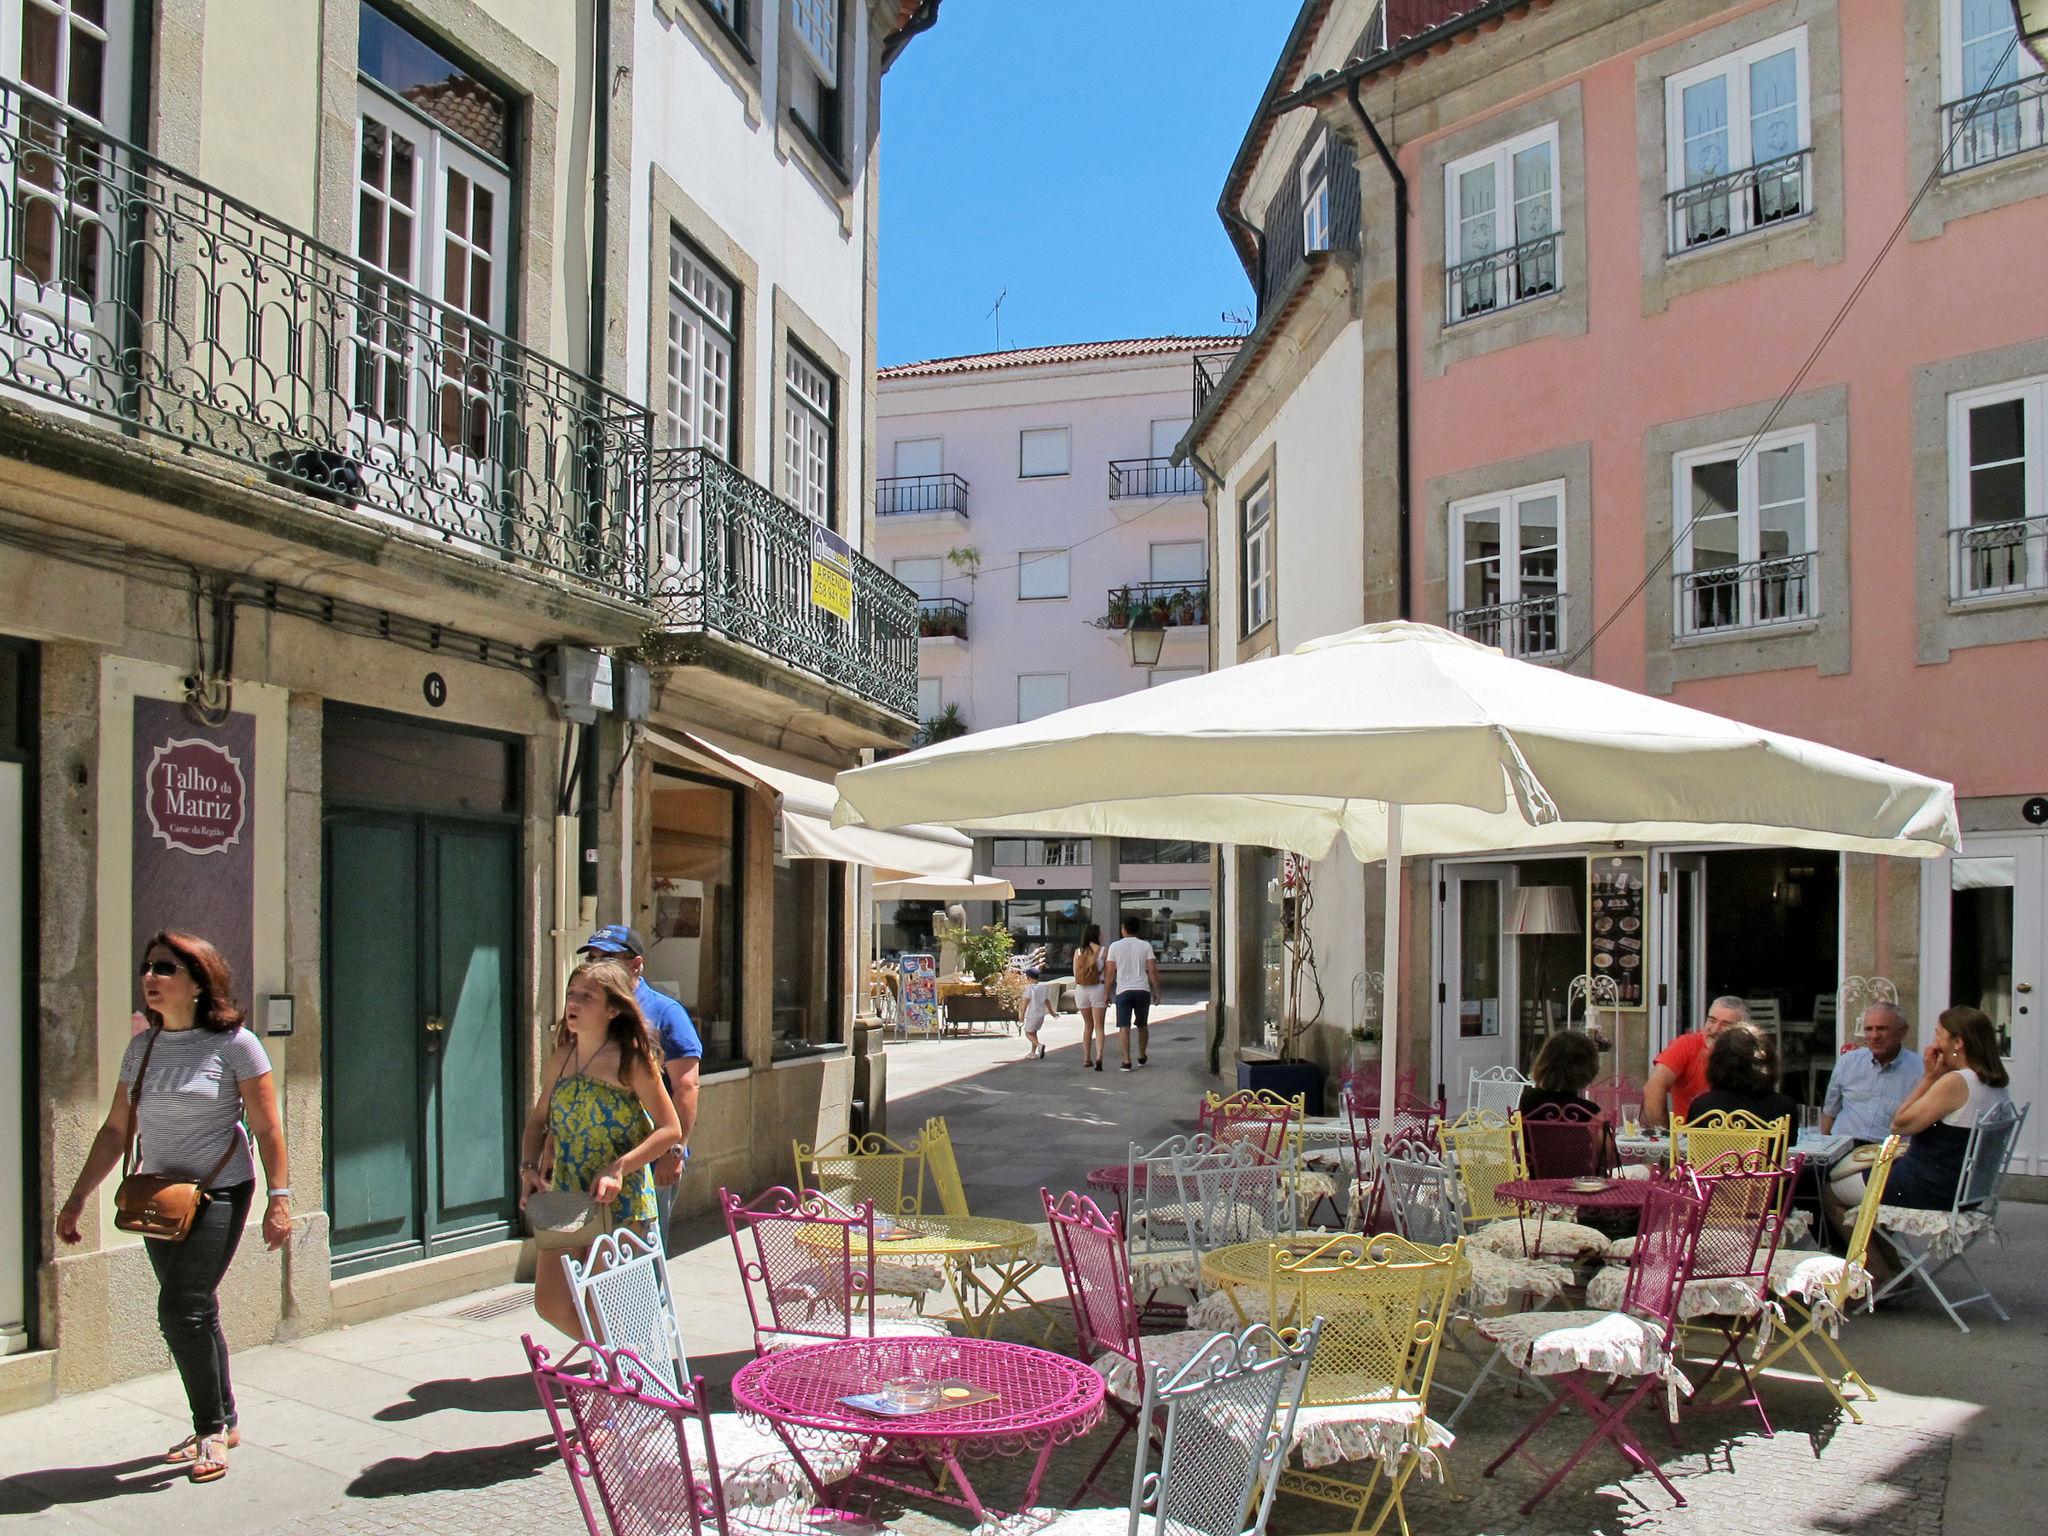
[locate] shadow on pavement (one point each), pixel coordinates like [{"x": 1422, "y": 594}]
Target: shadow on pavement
[
  {"x": 33, "y": 1492},
  {"x": 463, "y": 1394},
  {"x": 483, "y": 1466}
]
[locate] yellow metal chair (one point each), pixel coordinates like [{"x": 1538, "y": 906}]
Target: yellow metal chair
[
  {"x": 1489, "y": 1152},
  {"x": 1385, "y": 1304},
  {"x": 1696, "y": 1143},
  {"x": 942, "y": 1168},
  {"x": 1818, "y": 1288},
  {"x": 1007, "y": 1275},
  {"x": 871, "y": 1169}
]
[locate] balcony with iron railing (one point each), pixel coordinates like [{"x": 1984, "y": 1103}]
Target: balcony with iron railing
[
  {"x": 935, "y": 498},
  {"x": 2006, "y": 559},
  {"x": 1995, "y": 124},
  {"x": 942, "y": 618},
  {"x": 735, "y": 562},
  {"x": 138, "y": 296},
  {"x": 1171, "y": 604},
  {"x": 1741, "y": 202},
  {"x": 1755, "y": 594},
  {"x": 1152, "y": 478},
  {"x": 1500, "y": 280},
  {"x": 1531, "y": 628},
  {"x": 1209, "y": 368}
]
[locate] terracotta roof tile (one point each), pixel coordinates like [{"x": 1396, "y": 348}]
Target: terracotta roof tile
[{"x": 1067, "y": 352}]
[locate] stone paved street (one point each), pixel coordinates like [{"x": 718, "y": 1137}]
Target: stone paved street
[{"x": 424, "y": 1422}]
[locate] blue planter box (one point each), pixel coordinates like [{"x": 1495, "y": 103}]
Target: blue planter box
[{"x": 1286, "y": 1078}]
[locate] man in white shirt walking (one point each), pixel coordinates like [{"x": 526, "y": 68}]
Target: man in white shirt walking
[{"x": 1132, "y": 971}]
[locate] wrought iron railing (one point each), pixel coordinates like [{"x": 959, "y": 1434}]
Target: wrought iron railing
[
  {"x": 941, "y": 618},
  {"x": 734, "y": 559},
  {"x": 1994, "y": 559},
  {"x": 1755, "y": 197},
  {"x": 1995, "y": 125},
  {"x": 1753, "y": 595},
  {"x": 1501, "y": 279},
  {"x": 1209, "y": 370},
  {"x": 132, "y": 292},
  {"x": 1530, "y": 627},
  {"x": 900, "y": 495},
  {"x": 1171, "y": 603},
  {"x": 1152, "y": 477}
]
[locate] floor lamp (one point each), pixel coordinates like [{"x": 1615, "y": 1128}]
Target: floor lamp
[{"x": 1537, "y": 911}]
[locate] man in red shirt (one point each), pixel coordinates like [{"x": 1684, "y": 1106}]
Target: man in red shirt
[{"x": 1680, "y": 1075}]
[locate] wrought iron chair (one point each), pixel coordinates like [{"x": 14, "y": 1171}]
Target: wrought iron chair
[
  {"x": 1696, "y": 1143},
  {"x": 1273, "y": 1124},
  {"x": 623, "y": 1300},
  {"x": 1161, "y": 1250},
  {"x": 1487, "y": 1149},
  {"x": 1613, "y": 1095},
  {"x": 807, "y": 1266},
  {"x": 1384, "y": 1303},
  {"x": 1373, "y": 1134},
  {"x": 1817, "y": 1290},
  {"x": 942, "y": 1178},
  {"x": 1566, "y": 1141},
  {"x": 1231, "y": 1193},
  {"x": 1592, "y": 1354},
  {"x": 1495, "y": 1090},
  {"x": 871, "y": 1169},
  {"x": 1931, "y": 1241}
]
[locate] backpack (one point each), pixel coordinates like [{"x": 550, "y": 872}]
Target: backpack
[{"x": 1088, "y": 965}]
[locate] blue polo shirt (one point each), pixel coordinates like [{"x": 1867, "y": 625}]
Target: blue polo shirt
[
  {"x": 1863, "y": 1096},
  {"x": 669, "y": 1020}
]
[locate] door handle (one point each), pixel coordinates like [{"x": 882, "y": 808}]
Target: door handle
[
  {"x": 436, "y": 1028},
  {"x": 2024, "y": 986}
]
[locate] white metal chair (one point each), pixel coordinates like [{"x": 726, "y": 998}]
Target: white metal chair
[
  {"x": 1767, "y": 1016},
  {"x": 1933, "y": 1240},
  {"x": 1496, "y": 1090}
]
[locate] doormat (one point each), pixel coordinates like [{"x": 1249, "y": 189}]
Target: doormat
[{"x": 493, "y": 1307}]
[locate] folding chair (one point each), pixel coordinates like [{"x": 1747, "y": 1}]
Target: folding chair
[
  {"x": 870, "y": 1169},
  {"x": 807, "y": 1265},
  {"x": 1373, "y": 1133},
  {"x": 1566, "y": 1141},
  {"x": 1384, "y": 1303},
  {"x": 1496, "y": 1090},
  {"x": 942, "y": 1177},
  {"x": 1489, "y": 1151},
  {"x": 1613, "y": 1095},
  {"x": 1632, "y": 1351},
  {"x": 1231, "y": 1193},
  {"x": 1933, "y": 1240},
  {"x": 623, "y": 1300},
  {"x": 1817, "y": 1289},
  {"x": 1161, "y": 1246},
  {"x": 1696, "y": 1143}
]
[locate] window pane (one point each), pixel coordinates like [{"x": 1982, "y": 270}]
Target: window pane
[
  {"x": 1175, "y": 923},
  {"x": 806, "y": 1005},
  {"x": 1042, "y": 573},
  {"x": 1040, "y": 693},
  {"x": 1042, "y": 451},
  {"x": 1180, "y": 561},
  {"x": 1998, "y": 432},
  {"x": 1481, "y": 539},
  {"x": 1703, "y": 110},
  {"x": 1056, "y": 922},
  {"x": 1475, "y": 211},
  {"x": 1537, "y": 534},
  {"x": 1716, "y": 537},
  {"x": 1987, "y": 28},
  {"x": 918, "y": 456},
  {"x": 693, "y": 941},
  {"x": 922, "y": 576},
  {"x": 1532, "y": 193},
  {"x": 1781, "y": 501},
  {"x": 1774, "y": 107},
  {"x": 439, "y": 88},
  {"x": 1166, "y": 436}
]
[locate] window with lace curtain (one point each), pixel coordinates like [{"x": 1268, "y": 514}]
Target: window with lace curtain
[{"x": 1737, "y": 139}]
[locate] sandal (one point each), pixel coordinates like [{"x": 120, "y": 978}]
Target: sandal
[
  {"x": 187, "y": 1449},
  {"x": 210, "y": 1459}
]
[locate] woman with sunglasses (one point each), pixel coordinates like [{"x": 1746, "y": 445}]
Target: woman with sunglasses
[{"x": 206, "y": 1072}]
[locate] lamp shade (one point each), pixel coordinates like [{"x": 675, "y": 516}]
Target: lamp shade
[
  {"x": 1542, "y": 909},
  {"x": 1148, "y": 637}
]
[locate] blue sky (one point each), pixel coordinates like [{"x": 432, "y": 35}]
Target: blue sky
[{"x": 1071, "y": 152}]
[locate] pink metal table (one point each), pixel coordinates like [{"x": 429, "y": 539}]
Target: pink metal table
[
  {"x": 1043, "y": 1400},
  {"x": 1618, "y": 1195}
]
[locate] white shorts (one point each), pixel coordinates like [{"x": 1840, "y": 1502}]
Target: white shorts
[{"x": 1096, "y": 996}]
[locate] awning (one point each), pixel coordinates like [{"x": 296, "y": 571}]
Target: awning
[
  {"x": 900, "y": 885},
  {"x": 806, "y": 806}
]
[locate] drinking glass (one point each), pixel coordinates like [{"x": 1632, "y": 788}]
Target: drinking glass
[{"x": 1631, "y": 1120}]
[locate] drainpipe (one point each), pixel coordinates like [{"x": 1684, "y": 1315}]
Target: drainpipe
[
  {"x": 589, "y": 769},
  {"x": 1401, "y": 405}
]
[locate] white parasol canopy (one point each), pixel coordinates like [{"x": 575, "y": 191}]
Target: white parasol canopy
[
  {"x": 1404, "y": 739},
  {"x": 898, "y": 885}
]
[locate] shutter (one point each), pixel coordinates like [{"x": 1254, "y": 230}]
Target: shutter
[{"x": 1345, "y": 216}]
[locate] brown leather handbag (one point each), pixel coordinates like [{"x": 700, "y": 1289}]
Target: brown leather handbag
[{"x": 153, "y": 1204}]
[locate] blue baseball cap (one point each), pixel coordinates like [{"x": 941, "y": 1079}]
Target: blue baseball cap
[{"x": 614, "y": 939}]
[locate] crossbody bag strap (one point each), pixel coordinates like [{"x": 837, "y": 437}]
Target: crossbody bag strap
[{"x": 131, "y": 1154}]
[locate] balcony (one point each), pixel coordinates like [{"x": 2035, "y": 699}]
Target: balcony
[
  {"x": 1996, "y": 125},
  {"x": 1757, "y": 594},
  {"x": 136, "y": 295},
  {"x": 919, "y": 499},
  {"x": 735, "y": 563},
  {"x": 1152, "y": 478},
  {"x": 2008, "y": 559},
  {"x": 1501, "y": 279},
  {"x": 942, "y": 619},
  {"x": 1531, "y": 628},
  {"x": 1741, "y": 202},
  {"x": 1209, "y": 370},
  {"x": 1173, "y": 604}
]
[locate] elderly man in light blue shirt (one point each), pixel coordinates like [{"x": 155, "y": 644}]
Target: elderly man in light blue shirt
[{"x": 1872, "y": 1081}]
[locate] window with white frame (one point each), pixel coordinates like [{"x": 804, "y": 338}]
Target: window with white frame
[
  {"x": 1507, "y": 569},
  {"x": 1993, "y": 89},
  {"x": 1040, "y": 693},
  {"x": 1041, "y": 573},
  {"x": 817, "y": 25},
  {"x": 1500, "y": 225},
  {"x": 930, "y": 698},
  {"x": 702, "y": 344},
  {"x": 1185, "y": 561},
  {"x": 1998, "y": 490},
  {"x": 808, "y": 400},
  {"x": 923, "y": 576},
  {"x": 1737, "y": 138},
  {"x": 1255, "y": 517},
  {"x": 1042, "y": 452},
  {"x": 1159, "y": 677},
  {"x": 1315, "y": 196},
  {"x": 1746, "y": 535}
]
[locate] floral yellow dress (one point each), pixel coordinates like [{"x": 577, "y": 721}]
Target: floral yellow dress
[{"x": 595, "y": 1124}]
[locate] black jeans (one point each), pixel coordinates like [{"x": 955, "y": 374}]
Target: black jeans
[{"x": 187, "y": 1310}]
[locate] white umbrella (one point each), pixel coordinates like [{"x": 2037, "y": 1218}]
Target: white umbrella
[
  {"x": 899, "y": 885},
  {"x": 1406, "y": 739}
]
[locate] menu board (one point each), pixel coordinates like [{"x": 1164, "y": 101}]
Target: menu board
[
  {"x": 920, "y": 999},
  {"x": 1617, "y": 937}
]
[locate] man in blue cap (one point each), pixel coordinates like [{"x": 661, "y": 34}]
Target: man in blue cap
[{"x": 681, "y": 1050}]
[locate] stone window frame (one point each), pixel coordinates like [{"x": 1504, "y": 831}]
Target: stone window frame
[
  {"x": 1563, "y": 313},
  {"x": 671, "y": 212},
  {"x": 734, "y": 51},
  {"x": 1816, "y": 237},
  {"x": 1942, "y": 624},
  {"x": 1264, "y": 471},
  {"x": 832, "y": 171},
  {"x": 1821, "y": 642},
  {"x": 1571, "y": 466},
  {"x": 1958, "y": 194},
  {"x": 792, "y": 324}
]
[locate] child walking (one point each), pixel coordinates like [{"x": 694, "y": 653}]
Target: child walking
[{"x": 1037, "y": 1004}]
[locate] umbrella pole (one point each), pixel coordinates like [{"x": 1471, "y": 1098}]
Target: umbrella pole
[{"x": 1390, "y": 973}]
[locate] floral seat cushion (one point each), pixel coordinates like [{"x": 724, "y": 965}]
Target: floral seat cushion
[
  {"x": 1164, "y": 1354},
  {"x": 1557, "y": 1343},
  {"x": 1528, "y": 1238},
  {"x": 1388, "y": 1433},
  {"x": 755, "y": 1467},
  {"x": 1715, "y": 1297}
]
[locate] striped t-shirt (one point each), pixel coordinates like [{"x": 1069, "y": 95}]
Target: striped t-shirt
[{"x": 192, "y": 1103}]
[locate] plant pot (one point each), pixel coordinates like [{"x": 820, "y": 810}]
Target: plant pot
[{"x": 1286, "y": 1078}]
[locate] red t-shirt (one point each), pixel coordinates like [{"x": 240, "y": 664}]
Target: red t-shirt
[{"x": 1686, "y": 1057}]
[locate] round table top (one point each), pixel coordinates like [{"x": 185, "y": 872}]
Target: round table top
[
  {"x": 1326, "y": 1128},
  {"x": 1114, "y": 1176},
  {"x": 1239, "y": 1264},
  {"x": 1613, "y": 1194},
  {"x": 1037, "y": 1392},
  {"x": 950, "y": 1236}
]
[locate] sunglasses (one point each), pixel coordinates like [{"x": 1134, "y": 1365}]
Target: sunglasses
[{"x": 163, "y": 967}]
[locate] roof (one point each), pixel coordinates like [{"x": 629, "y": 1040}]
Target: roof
[
  {"x": 1066, "y": 352},
  {"x": 1402, "y": 53}
]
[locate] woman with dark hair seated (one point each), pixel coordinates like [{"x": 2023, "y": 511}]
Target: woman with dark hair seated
[
  {"x": 1563, "y": 1070},
  {"x": 1742, "y": 1074}
]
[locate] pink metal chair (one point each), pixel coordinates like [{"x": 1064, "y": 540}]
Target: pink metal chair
[
  {"x": 1566, "y": 1141},
  {"x": 1372, "y": 1132},
  {"x": 1266, "y": 1123},
  {"x": 1585, "y": 1351},
  {"x": 1614, "y": 1095},
  {"x": 1748, "y": 1201}
]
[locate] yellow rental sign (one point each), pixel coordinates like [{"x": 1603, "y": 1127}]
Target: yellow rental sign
[{"x": 831, "y": 573}]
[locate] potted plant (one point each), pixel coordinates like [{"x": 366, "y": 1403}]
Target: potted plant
[
  {"x": 1120, "y": 608},
  {"x": 1184, "y": 606},
  {"x": 1162, "y": 610},
  {"x": 943, "y": 726}
]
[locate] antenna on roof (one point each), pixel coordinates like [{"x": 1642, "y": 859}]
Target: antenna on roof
[
  {"x": 1238, "y": 319},
  {"x": 996, "y": 313}
]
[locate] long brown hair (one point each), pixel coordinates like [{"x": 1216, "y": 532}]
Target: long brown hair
[
  {"x": 1568, "y": 1062},
  {"x": 627, "y": 1026},
  {"x": 1972, "y": 1029},
  {"x": 216, "y": 1008}
]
